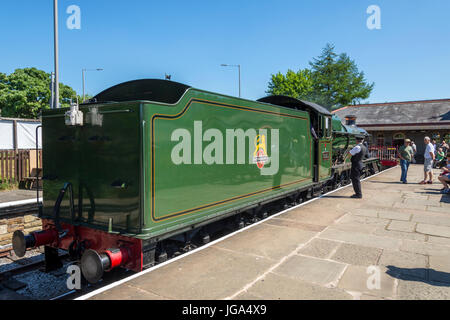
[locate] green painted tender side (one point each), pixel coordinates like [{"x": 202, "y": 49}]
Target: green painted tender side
[
  {"x": 121, "y": 165},
  {"x": 180, "y": 195}
]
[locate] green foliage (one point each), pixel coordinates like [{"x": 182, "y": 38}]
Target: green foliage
[
  {"x": 5, "y": 186},
  {"x": 295, "y": 84},
  {"x": 86, "y": 97},
  {"x": 333, "y": 81},
  {"x": 25, "y": 92}
]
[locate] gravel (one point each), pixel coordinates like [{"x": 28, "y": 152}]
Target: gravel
[
  {"x": 44, "y": 286},
  {"x": 6, "y": 264},
  {"x": 40, "y": 285}
]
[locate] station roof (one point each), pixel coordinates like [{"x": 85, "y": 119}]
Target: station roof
[{"x": 409, "y": 115}]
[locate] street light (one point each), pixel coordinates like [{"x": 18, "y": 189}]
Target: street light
[
  {"x": 55, "y": 38},
  {"x": 83, "y": 76},
  {"x": 239, "y": 70}
]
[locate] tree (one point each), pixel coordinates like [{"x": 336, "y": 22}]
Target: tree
[
  {"x": 295, "y": 84},
  {"x": 86, "y": 98},
  {"x": 25, "y": 92},
  {"x": 335, "y": 81}
]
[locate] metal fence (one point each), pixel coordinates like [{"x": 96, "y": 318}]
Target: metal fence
[
  {"x": 387, "y": 155},
  {"x": 17, "y": 165}
]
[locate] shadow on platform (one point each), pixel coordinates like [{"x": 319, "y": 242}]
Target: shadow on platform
[
  {"x": 337, "y": 197},
  {"x": 389, "y": 182},
  {"x": 425, "y": 275}
]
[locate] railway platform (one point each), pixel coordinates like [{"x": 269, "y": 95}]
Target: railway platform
[
  {"x": 392, "y": 244},
  {"x": 18, "y": 195}
]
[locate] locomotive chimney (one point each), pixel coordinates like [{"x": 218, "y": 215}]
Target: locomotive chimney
[{"x": 350, "y": 120}]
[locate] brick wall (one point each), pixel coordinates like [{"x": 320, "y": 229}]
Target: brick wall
[{"x": 25, "y": 222}]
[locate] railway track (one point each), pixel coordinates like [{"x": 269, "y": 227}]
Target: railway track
[{"x": 20, "y": 206}]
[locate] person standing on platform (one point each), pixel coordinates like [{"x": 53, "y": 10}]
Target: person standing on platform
[
  {"x": 444, "y": 178},
  {"x": 405, "y": 153},
  {"x": 428, "y": 162},
  {"x": 414, "y": 147},
  {"x": 357, "y": 153}
]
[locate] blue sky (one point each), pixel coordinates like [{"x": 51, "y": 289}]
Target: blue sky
[{"x": 408, "y": 58}]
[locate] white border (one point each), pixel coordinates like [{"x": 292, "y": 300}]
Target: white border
[{"x": 115, "y": 284}]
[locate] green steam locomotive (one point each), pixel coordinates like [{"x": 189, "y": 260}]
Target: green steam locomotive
[{"x": 149, "y": 162}]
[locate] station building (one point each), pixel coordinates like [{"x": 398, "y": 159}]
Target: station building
[{"x": 392, "y": 122}]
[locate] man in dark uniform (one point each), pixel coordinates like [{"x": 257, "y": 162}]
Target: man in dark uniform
[{"x": 358, "y": 153}]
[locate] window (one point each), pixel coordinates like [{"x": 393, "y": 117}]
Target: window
[
  {"x": 328, "y": 127},
  {"x": 380, "y": 139},
  {"x": 399, "y": 136}
]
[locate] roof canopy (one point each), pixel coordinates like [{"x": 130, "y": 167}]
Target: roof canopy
[
  {"x": 293, "y": 103},
  {"x": 407, "y": 114}
]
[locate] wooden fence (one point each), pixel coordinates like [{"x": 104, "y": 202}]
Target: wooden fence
[{"x": 15, "y": 166}]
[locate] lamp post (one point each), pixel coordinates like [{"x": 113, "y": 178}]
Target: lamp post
[
  {"x": 83, "y": 76},
  {"x": 55, "y": 35},
  {"x": 239, "y": 73}
]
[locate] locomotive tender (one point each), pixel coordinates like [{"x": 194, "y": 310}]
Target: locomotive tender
[{"x": 150, "y": 160}]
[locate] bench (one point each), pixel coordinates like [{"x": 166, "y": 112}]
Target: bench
[{"x": 31, "y": 181}]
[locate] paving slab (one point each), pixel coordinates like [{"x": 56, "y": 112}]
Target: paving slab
[
  {"x": 365, "y": 212},
  {"x": 209, "y": 274},
  {"x": 420, "y": 201},
  {"x": 364, "y": 281},
  {"x": 281, "y": 222},
  {"x": 319, "y": 248},
  {"x": 357, "y": 255},
  {"x": 406, "y": 263},
  {"x": 424, "y": 248},
  {"x": 440, "y": 268},
  {"x": 283, "y": 240},
  {"x": 439, "y": 240},
  {"x": 419, "y": 290},
  {"x": 279, "y": 287},
  {"x": 362, "y": 239},
  {"x": 248, "y": 296},
  {"x": 315, "y": 214},
  {"x": 434, "y": 230},
  {"x": 404, "y": 226},
  {"x": 402, "y": 205},
  {"x": 362, "y": 220},
  {"x": 442, "y": 208},
  {"x": 432, "y": 218},
  {"x": 394, "y": 215},
  {"x": 355, "y": 227},
  {"x": 128, "y": 292},
  {"x": 317, "y": 271},
  {"x": 400, "y": 234}
]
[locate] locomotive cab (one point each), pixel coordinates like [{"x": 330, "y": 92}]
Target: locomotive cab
[{"x": 321, "y": 132}]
